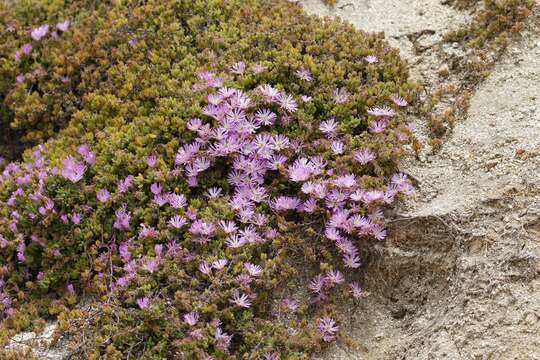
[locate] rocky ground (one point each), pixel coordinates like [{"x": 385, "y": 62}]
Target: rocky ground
[{"x": 459, "y": 279}]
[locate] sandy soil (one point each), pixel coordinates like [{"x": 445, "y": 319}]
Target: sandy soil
[{"x": 459, "y": 278}]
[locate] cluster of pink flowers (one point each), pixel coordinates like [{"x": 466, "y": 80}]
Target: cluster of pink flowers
[
  {"x": 37, "y": 34},
  {"x": 239, "y": 134}
]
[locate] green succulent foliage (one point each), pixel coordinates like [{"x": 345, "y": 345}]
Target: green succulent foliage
[{"x": 131, "y": 67}]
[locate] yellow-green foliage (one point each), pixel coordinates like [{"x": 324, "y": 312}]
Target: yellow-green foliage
[
  {"x": 494, "y": 22},
  {"x": 131, "y": 66}
]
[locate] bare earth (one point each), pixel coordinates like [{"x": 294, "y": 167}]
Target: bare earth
[{"x": 459, "y": 279}]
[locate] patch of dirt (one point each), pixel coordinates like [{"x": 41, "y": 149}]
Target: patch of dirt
[{"x": 459, "y": 278}]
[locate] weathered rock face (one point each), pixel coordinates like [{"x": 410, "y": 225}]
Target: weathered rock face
[
  {"x": 38, "y": 344},
  {"x": 459, "y": 279}
]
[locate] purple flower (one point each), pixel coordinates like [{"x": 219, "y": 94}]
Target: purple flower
[
  {"x": 352, "y": 261},
  {"x": 304, "y": 74},
  {"x": 27, "y": 49},
  {"x": 88, "y": 156},
  {"x": 287, "y": 102},
  {"x": 72, "y": 169},
  {"x": 372, "y": 59},
  {"x": 143, "y": 302},
  {"x": 271, "y": 356},
  {"x": 76, "y": 218},
  {"x": 341, "y": 95},
  {"x": 291, "y": 304},
  {"x": 327, "y": 328},
  {"x": 378, "y": 126},
  {"x": 240, "y": 300},
  {"x": 103, "y": 195},
  {"x": 337, "y": 147},
  {"x": 253, "y": 270},
  {"x": 334, "y": 277},
  {"x": 39, "y": 32},
  {"x": 147, "y": 232},
  {"x": 156, "y": 188},
  {"x": 205, "y": 268},
  {"x": 270, "y": 93},
  {"x": 223, "y": 340},
  {"x": 258, "y": 68},
  {"x": 285, "y": 203},
  {"x": 124, "y": 185},
  {"x": 214, "y": 192},
  {"x": 202, "y": 228},
  {"x": 219, "y": 264},
  {"x": 70, "y": 289},
  {"x": 63, "y": 25},
  {"x": 123, "y": 218},
  {"x": 364, "y": 156},
  {"x": 399, "y": 101},
  {"x": 328, "y": 126},
  {"x": 177, "y": 221},
  {"x": 151, "y": 161},
  {"x": 191, "y": 318},
  {"x": 20, "y": 78},
  {"x": 238, "y": 68},
  {"x": 234, "y": 241},
  {"x": 317, "y": 284},
  {"x": 177, "y": 201},
  {"x": 356, "y": 290},
  {"x": 383, "y": 111},
  {"x": 151, "y": 265}
]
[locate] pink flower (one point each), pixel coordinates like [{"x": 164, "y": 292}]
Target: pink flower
[
  {"x": 238, "y": 68},
  {"x": 382, "y": 111},
  {"x": 241, "y": 300},
  {"x": 364, "y": 156},
  {"x": 39, "y": 32},
  {"x": 143, "y": 302},
  {"x": 304, "y": 74},
  {"x": 285, "y": 203},
  {"x": 327, "y": 328},
  {"x": 151, "y": 161},
  {"x": 73, "y": 170},
  {"x": 253, "y": 270},
  {"x": 63, "y": 25},
  {"x": 328, "y": 126},
  {"x": 372, "y": 59},
  {"x": 356, "y": 290},
  {"x": 191, "y": 318},
  {"x": 177, "y": 221},
  {"x": 70, "y": 289},
  {"x": 341, "y": 95},
  {"x": 287, "y": 102},
  {"x": 123, "y": 218},
  {"x": 399, "y": 101},
  {"x": 27, "y": 49},
  {"x": 103, "y": 195}
]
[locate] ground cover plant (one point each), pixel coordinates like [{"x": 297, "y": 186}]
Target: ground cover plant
[
  {"x": 195, "y": 161},
  {"x": 494, "y": 24}
]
